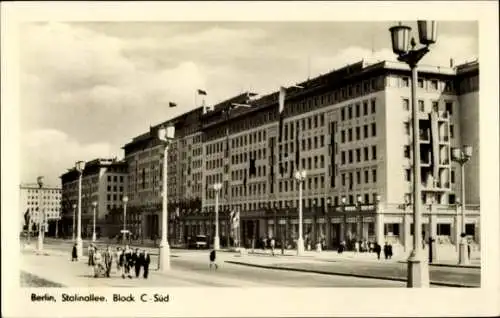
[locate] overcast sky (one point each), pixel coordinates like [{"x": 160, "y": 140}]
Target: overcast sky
[{"x": 88, "y": 88}]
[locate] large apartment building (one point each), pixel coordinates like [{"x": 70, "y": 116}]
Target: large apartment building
[
  {"x": 34, "y": 199},
  {"x": 104, "y": 181},
  {"x": 350, "y": 130}
]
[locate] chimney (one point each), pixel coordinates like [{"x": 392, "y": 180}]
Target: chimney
[{"x": 452, "y": 63}]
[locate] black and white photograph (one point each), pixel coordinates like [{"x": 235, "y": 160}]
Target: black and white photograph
[{"x": 248, "y": 154}]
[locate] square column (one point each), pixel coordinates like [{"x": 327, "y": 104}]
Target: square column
[
  {"x": 433, "y": 232},
  {"x": 456, "y": 231},
  {"x": 379, "y": 229},
  {"x": 407, "y": 237}
]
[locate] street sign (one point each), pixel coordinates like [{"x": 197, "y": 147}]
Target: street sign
[{"x": 124, "y": 231}]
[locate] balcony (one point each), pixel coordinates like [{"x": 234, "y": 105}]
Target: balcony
[{"x": 435, "y": 186}]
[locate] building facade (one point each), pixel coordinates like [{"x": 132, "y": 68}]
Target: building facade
[
  {"x": 350, "y": 130},
  {"x": 34, "y": 200},
  {"x": 104, "y": 181}
]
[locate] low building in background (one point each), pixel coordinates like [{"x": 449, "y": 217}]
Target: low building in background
[{"x": 40, "y": 205}]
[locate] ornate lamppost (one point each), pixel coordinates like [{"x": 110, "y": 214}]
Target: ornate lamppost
[
  {"x": 41, "y": 215},
  {"x": 80, "y": 166},
  {"x": 165, "y": 135},
  {"x": 124, "y": 231},
  {"x": 462, "y": 156},
  {"x": 73, "y": 230},
  {"x": 217, "y": 188},
  {"x": 418, "y": 273},
  {"x": 94, "y": 207},
  {"x": 300, "y": 176}
]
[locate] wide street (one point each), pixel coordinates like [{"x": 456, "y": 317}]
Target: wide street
[{"x": 53, "y": 267}]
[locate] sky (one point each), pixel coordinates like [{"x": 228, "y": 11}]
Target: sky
[{"x": 86, "y": 89}]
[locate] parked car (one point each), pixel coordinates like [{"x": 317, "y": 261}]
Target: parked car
[{"x": 198, "y": 242}]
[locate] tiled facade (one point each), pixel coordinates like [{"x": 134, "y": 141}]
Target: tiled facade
[
  {"x": 103, "y": 181},
  {"x": 352, "y": 128}
]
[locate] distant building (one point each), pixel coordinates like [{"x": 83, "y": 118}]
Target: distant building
[
  {"x": 32, "y": 197},
  {"x": 350, "y": 129},
  {"x": 103, "y": 181}
]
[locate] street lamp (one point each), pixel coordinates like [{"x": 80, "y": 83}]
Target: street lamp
[
  {"x": 41, "y": 212},
  {"x": 462, "y": 156},
  {"x": 124, "y": 231},
  {"x": 418, "y": 274},
  {"x": 300, "y": 176},
  {"x": 166, "y": 135},
  {"x": 74, "y": 220},
  {"x": 94, "y": 206},
  {"x": 80, "y": 166},
  {"x": 217, "y": 188}
]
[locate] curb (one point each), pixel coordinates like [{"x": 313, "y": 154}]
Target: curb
[
  {"x": 445, "y": 284},
  {"x": 451, "y": 265}
]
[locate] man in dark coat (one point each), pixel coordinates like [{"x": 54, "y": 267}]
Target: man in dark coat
[
  {"x": 128, "y": 262},
  {"x": 213, "y": 260},
  {"x": 386, "y": 250},
  {"x": 136, "y": 259},
  {"x": 74, "y": 254},
  {"x": 377, "y": 249},
  {"x": 108, "y": 261},
  {"x": 145, "y": 260}
]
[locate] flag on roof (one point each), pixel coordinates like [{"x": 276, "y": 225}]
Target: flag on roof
[
  {"x": 201, "y": 92},
  {"x": 170, "y": 104}
]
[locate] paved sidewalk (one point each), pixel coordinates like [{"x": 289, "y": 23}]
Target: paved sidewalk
[
  {"x": 329, "y": 256},
  {"x": 56, "y": 268},
  {"x": 389, "y": 270}
]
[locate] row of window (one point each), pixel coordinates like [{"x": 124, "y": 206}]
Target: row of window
[
  {"x": 424, "y": 133},
  {"x": 422, "y": 104},
  {"x": 354, "y": 155},
  {"x": 347, "y": 135},
  {"x": 354, "y": 110},
  {"x": 428, "y": 84},
  {"x": 35, "y": 191},
  {"x": 356, "y": 178},
  {"x": 115, "y": 178}
]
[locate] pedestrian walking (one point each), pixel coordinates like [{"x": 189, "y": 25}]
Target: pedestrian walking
[
  {"x": 389, "y": 251},
  {"x": 136, "y": 260},
  {"x": 146, "y": 260},
  {"x": 213, "y": 261},
  {"x": 127, "y": 262},
  {"x": 91, "y": 250},
  {"x": 356, "y": 247},
  {"x": 118, "y": 258},
  {"x": 74, "y": 254},
  {"x": 377, "y": 249},
  {"x": 386, "y": 250},
  {"x": 98, "y": 264},
  {"x": 108, "y": 261}
]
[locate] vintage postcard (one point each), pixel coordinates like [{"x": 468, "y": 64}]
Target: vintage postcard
[{"x": 250, "y": 159}]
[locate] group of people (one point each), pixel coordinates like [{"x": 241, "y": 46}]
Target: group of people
[
  {"x": 126, "y": 261},
  {"x": 371, "y": 247}
]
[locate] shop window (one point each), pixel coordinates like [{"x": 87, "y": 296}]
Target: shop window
[
  {"x": 391, "y": 229},
  {"x": 444, "y": 229},
  {"x": 470, "y": 229}
]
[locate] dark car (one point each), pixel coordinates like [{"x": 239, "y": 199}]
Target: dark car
[{"x": 198, "y": 242}]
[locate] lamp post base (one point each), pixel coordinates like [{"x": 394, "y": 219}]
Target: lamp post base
[
  {"x": 164, "y": 257},
  {"x": 79, "y": 247},
  {"x": 39, "y": 245},
  {"x": 463, "y": 257},
  {"x": 418, "y": 271},
  {"x": 216, "y": 243},
  {"x": 300, "y": 247},
  {"x": 94, "y": 237}
]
